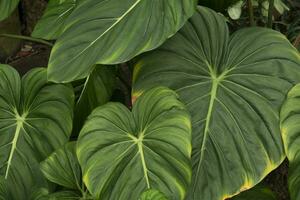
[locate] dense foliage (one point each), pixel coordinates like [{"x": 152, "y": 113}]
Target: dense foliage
[{"x": 212, "y": 112}]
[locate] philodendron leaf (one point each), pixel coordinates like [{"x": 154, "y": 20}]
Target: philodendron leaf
[
  {"x": 124, "y": 153},
  {"x": 62, "y": 167},
  {"x": 43, "y": 194},
  {"x": 36, "y": 119},
  {"x": 65, "y": 195},
  {"x": 233, "y": 87},
  {"x": 153, "y": 195},
  {"x": 290, "y": 128},
  {"x": 110, "y": 32},
  {"x": 7, "y": 7},
  {"x": 256, "y": 193},
  {"x": 96, "y": 91},
  {"x": 51, "y": 25}
]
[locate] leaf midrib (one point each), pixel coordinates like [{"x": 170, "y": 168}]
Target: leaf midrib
[
  {"x": 19, "y": 122},
  {"x": 213, "y": 93},
  {"x": 107, "y": 30},
  {"x": 139, "y": 142}
]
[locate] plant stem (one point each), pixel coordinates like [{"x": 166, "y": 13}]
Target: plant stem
[
  {"x": 251, "y": 12},
  {"x": 22, "y": 37},
  {"x": 270, "y": 14}
]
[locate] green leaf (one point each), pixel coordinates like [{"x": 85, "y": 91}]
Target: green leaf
[
  {"x": 43, "y": 194},
  {"x": 36, "y": 119},
  {"x": 124, "y": 153},
  {"x": 278, "y": 4},
  {"x": 96, "y": 91},
  {"x": 233, "y": 87},
  {"x": 51, "y": 25},
  {"x": 153, "y": 195},
  {"x": 235, "y": 10},
  {"x": 39, "y": 194},
  {"x": 290, "y": 129},
  {"x": 110, "y": 32},
  {"x": 65, "y": 195},
  {"x": 256, "y": 193},
  {"x": 62, "y": 167},
  {"x": 4, "y": 192},
  {"x": 7, "y": 7},
  {"x": 218, "y": 5}
]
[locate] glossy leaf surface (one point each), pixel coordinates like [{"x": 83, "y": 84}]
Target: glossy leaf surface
[{"x": 290, "y": 128}]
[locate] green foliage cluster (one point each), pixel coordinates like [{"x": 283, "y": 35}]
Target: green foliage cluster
[{"x": 213, "y": 112}]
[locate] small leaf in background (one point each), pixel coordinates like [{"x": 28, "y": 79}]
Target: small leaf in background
[
  {"x": 7, "y": 7},
  {"x": 110, "y": 32},
  {"x": 52, "y": 23},
  {"x": 62, "y": 167},
  {"x": 36, "y": 118},
  {"x": 290, "y": 129},
  {"x": 278, "y": 4},
  {"x": 257, "y": 193},
  {"x": 95, "y": 91},
  {"x": 153, "y": 195},
  {"x": 234, "y": 87},
  {"x": 124, "y": 153},
  {"x": 235, "y": 11}
]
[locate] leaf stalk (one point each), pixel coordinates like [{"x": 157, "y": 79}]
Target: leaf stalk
[{"x": 22, "y": 37}]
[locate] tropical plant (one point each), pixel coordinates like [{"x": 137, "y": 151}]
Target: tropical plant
[
  {"x": 233, "y": 87},
  {"x": 36, "y": 118},
  {"x": 7, "y": 7},
  {"x": 212, "y": 113},
  {"x": 152, "y": 195},
  {"x": 289, "y": 117}
]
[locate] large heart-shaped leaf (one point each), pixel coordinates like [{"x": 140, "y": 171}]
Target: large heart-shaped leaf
[
  {"x": 36, "y": 118},
  {"x": 290, "y": 126},
  {"x": 95, "y": 91},
  {"x": 233, "y": 87},
  {"x": 51, "y": 25},
  {"x": 110, "y": 32},
  {"x": 7, "y": 7},
  {"x": 257, "y": 193},
  {"x": 124, "y": 153}
]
